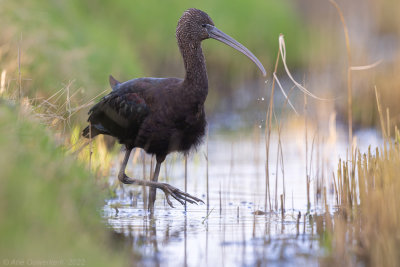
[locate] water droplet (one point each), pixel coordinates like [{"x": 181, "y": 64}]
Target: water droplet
[
  {"x": 259, "y": 126},
  {"x": 262, "y": 98}
]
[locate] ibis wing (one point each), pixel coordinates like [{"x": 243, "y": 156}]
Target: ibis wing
[{"x": 119, "y": 113}]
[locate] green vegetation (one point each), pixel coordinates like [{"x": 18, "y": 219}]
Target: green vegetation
[
  {"x": 50, "y": 208},
  {"x": 84, "y": 41}
]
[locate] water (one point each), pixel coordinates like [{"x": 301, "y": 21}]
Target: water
[{"x": 235, "y": 230}]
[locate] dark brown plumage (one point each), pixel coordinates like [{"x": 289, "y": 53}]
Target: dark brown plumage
[{"x": 163, "y": 115}]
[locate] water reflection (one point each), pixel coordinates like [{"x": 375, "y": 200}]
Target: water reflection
[
  {"x": 236, "y": 229},
  {"x": 173, "y": 237}
]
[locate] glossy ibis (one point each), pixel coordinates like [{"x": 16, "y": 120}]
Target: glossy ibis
[{"x": 163, "y": 115}]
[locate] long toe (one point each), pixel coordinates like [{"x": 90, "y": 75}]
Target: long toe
[{"x": 179, "y": 195}]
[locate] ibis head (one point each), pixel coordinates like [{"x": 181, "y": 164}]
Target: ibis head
[{"x": 195, "y": 26}]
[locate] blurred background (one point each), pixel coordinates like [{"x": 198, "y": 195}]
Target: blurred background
[
  {"x": 77, "y": 44},
  {"x": 55, "y": 58}
]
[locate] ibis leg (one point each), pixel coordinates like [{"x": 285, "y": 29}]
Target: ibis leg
[
  {"x": 168, "y": 190},
  {"x": 124, "y": 163},
  {"x": 152, "y": 191}
]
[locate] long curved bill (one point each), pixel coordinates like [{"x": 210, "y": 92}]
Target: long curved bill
[{"x": 216, "y": 34}]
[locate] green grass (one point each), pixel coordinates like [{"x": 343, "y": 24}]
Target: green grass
[{"x": 50, "y": 207}]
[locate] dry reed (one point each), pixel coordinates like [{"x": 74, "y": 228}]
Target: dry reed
[{"x": 365, "y": 227}]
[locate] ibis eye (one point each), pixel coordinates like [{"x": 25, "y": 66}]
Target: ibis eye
[{"x": 204, "y": 25}]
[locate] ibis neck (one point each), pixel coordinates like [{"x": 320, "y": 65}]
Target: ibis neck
[{"x": 196, "y": 79}]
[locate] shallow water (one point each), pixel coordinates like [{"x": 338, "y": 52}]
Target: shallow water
[{"x": 234, "y": 230}]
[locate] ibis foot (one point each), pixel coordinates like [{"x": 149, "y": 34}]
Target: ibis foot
[
  {"x": 179, "y": 195},
  {"x": 168, "y": 190}
]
